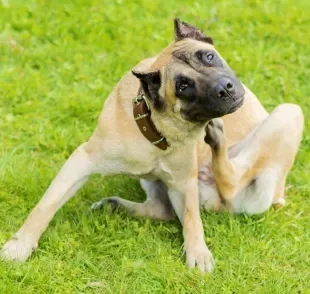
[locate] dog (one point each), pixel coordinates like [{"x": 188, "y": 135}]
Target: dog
[{"x": 185, "y": 125}]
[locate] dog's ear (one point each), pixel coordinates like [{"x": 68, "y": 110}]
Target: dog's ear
[
  {"x": 184, "y": 30},
  {"x": 151, "y": 82}
]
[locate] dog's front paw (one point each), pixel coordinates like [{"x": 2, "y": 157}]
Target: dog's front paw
[
  {"x": 113, "y": 201},
  {"x": 201, "y": 257},
  {"x": 17, "y": 250},
  {"x": 215, "y": 133}
]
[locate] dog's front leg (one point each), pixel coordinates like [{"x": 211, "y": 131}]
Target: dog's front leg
[
  {"x": 185, "y": 201},
  {"x": 71, "y": 177},
  {"x": 184, "y": 196}
]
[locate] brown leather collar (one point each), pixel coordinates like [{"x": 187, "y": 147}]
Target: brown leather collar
[{"x": 142, "y": 116}]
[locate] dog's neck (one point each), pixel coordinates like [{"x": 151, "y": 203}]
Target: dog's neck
[
  {"x": 162, "y": 132},
  {"x": 176, "y": 130}
]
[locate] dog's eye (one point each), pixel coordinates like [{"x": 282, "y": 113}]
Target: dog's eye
[
  {"x": 210, "y": 57},
  {"x": 183, "y": 86}
]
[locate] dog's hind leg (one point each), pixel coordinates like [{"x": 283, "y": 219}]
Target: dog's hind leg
[
  {"x": 269, "y": 149},
  {"x": 71, "y": 177},
  {"x": 156, "y": 206}
]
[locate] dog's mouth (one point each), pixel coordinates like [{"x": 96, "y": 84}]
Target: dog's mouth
[
  {"x": 199, "y": 116},
  {"x": 237, "y": 104}
]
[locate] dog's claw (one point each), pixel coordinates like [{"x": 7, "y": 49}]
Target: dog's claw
[
  {"x": 102, "y": 202},
  {"x": 96, "y": 205},
  {"x": 201, "y": 257}
]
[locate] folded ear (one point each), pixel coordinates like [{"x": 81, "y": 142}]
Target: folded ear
[
  {"x": 184, "y": 30},
  {"x": 151, "y": 82}
]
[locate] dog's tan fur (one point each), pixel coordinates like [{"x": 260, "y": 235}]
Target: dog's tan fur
[{"x": 170, "y": 178}]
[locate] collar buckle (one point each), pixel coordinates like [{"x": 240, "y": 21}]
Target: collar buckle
[{"x": 137, "y": 100}]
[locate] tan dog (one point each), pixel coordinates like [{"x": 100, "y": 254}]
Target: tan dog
[{"x": 183, "y": 89}]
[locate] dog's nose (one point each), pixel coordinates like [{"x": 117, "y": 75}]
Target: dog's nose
[{"x": 224, "y": 88}]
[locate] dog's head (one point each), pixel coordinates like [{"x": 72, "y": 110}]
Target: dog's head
[{"x": 192, "y": 78}]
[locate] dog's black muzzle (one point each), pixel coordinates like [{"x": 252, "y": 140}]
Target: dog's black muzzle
[{"x": 219, "y": 93}]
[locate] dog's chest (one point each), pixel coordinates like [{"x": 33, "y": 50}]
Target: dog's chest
[
  {"x": 158, "y": 171},
  {"x": 151, "y": 171},
  {"x": 162, "y": 172}
]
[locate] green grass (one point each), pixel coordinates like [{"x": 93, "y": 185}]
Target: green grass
[{"x": 58, "y": 62}]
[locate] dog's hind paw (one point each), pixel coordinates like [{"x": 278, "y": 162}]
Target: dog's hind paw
[
  {"x": 17, "y": 250},
  {"x": 215, "y": 133},
  {"x": 104, "y": 201},
  {"x": 278, "y": 203}
]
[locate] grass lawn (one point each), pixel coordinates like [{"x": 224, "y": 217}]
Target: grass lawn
[{"x": 58, "y": 62}]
